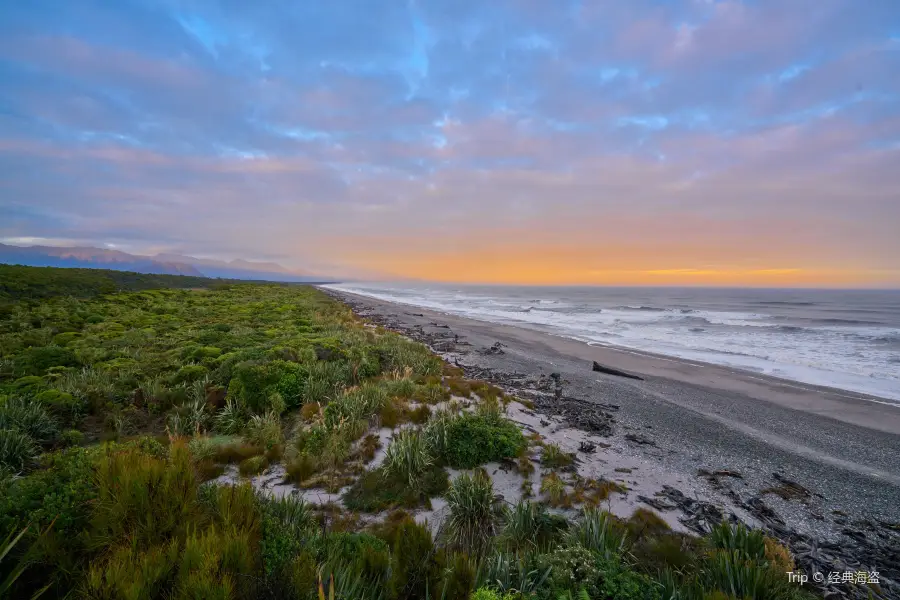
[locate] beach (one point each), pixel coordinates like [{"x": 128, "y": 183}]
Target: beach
[{"x": 816, "y": 463}]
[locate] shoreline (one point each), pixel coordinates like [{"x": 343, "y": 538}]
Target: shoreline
[
  {"x": 832, "y": 402},
  {"x": 730, "y": 369},
  {"x": 808, "y": 464}
]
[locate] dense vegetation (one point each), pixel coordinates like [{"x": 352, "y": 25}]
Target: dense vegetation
[
  {"x": 35, "y": 283},
  {"x": 120, "y": 412}
]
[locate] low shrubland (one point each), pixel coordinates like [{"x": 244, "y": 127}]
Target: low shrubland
[{"x": 121, "y": 397}]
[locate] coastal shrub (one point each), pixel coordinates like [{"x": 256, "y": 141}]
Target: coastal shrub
[
  {"x": 37, "y": 360},
  {"x": 28, "y": 386},
  {"x": 473, "y": 440},
  {"x": 400, "y": 385},
  {"x": 432, "y": 393},
  {"x": 55, "y": 500},
  {"x": 143, "y": 499},
  {"x": 572, "y": 567},
  {"x": 65, "y": 338},
  {"x": 416, "y": 566},
  {"x": 459, "y": 577},
  {"x": 474, "y": 513},
  {"x": 437, "y": 432},
  {"x": 65, "y": 407},
  {"x": 325, "y": 381},
  {"x": 71, "y": 437},
  {"x": 375, "y": 491},
  {"x": 360, "y": 553},
  {"x": 407, "y": 458},
  {"x": 189, "y": 373}
]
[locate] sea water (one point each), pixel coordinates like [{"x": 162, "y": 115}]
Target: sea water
[{"x": 846, "y": 339}]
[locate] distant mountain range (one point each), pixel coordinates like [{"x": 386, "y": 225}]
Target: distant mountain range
[{"x": 160, "y": 264}]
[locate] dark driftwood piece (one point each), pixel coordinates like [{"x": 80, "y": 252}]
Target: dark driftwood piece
[{"x": 601, "y": 369}]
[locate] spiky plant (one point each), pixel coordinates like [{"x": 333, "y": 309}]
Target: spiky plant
[
  {"x": 293, "y": 514},
  {"x": 596, "y": 531},
  {"x": 437, "y": 431},
  {"x": 407, "y": 457},
  {"x": 152, "y": 389},
  {"x": 264, "y": 430},
  {"x": 475, "y": 513},
  {"x": 232, "y": 418},
  {"x": 517, "y": 572},
  {"x": 197, "y": 390},
  {"x": 16, "y": 449},
  {"x": 731, "y": 572},
  {"x": 29, "y": 417},
  {"x": 529, "y": 525},
  {"x": 751, "y": 543}
]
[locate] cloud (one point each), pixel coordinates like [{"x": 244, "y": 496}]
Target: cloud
[{"x": 518, "y": 140}]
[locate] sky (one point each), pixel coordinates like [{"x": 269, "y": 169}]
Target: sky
[{"x": 647, "y": 142}]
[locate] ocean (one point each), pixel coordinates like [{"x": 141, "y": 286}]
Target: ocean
[{"x": 846, "y": 339}]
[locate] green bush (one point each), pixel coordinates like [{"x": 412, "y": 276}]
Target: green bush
[
  {"x": 571, "y": 568},
  {"x": 64, "y": 339},
  {"x": 374, "y": 491},
  {"x": 38, "y": 360},
  {"x": 28, "y": 385},
  {"x": 60, "y": 494},
  {"x": 62, "y": 405},
  {"x": 189, "y": 373},
  {"x": 72, "y": 437},
  {"x": 416, "y": 566},
  {"x": 360, "y": 553},
  {"x": 473, "y": 440}
]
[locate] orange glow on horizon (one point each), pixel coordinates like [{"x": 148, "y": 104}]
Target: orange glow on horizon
[{"x": 555, "y": 268}]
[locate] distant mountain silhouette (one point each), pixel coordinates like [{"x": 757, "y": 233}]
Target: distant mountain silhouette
[{"x": 161, "y": 264}]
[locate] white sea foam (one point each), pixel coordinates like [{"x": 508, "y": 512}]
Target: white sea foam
[{"x": 861, "y": 359}]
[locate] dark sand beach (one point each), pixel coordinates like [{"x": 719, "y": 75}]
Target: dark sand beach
[{"x": 815, "y": 465}]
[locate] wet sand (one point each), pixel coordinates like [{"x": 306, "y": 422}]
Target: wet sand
[{"x": 684, "y": 418}]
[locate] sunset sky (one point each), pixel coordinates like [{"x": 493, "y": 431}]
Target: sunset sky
[{"x": 642, "y": 142}]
